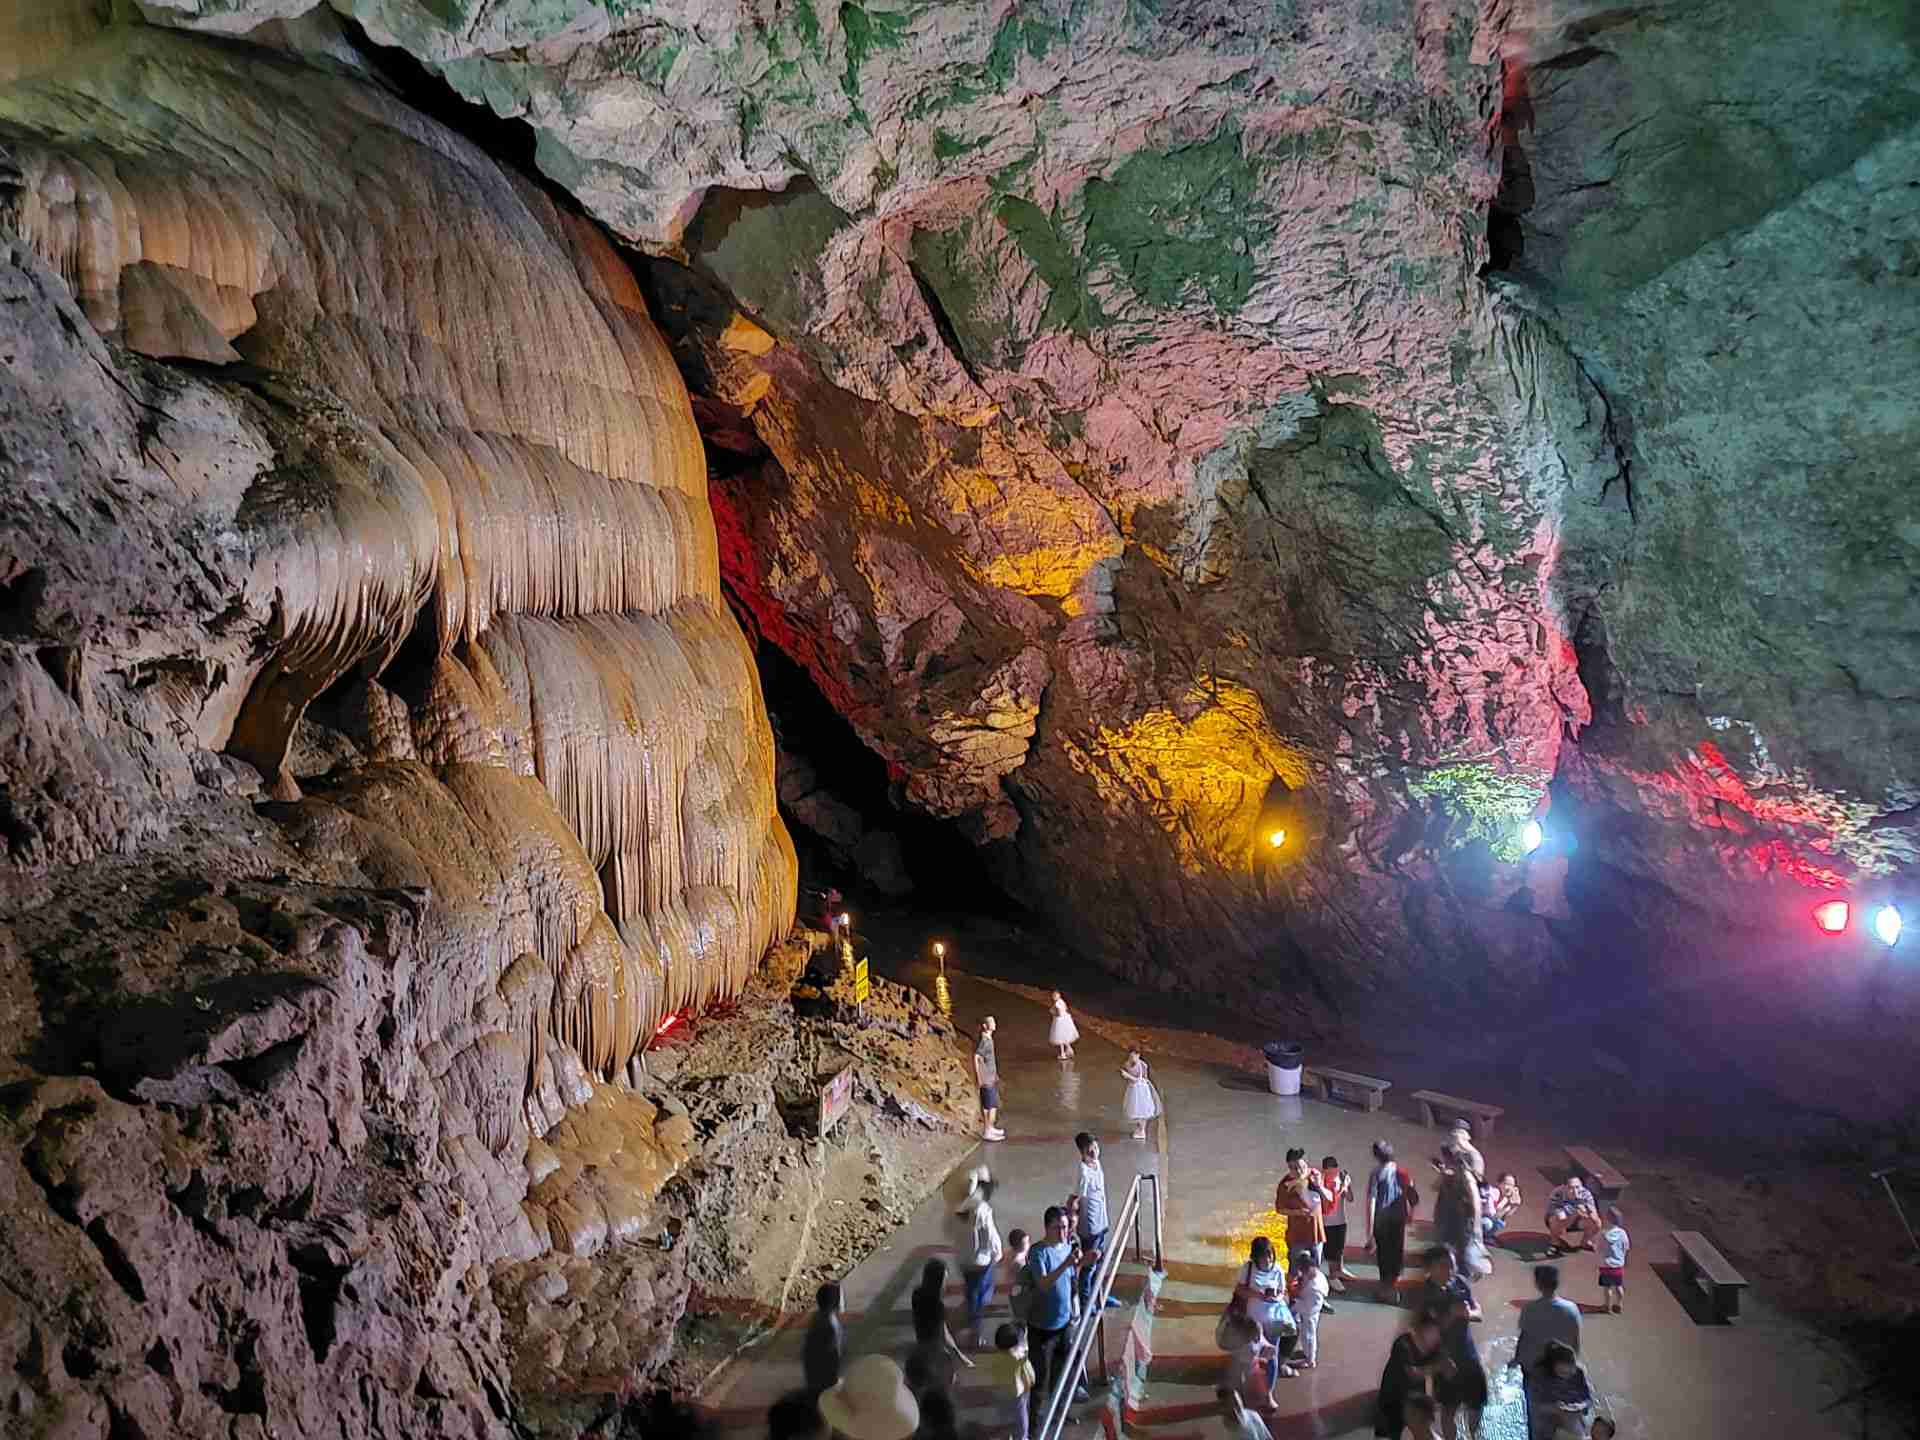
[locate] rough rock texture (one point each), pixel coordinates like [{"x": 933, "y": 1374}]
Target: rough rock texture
[
  {"x": 1154, "y": 425},
  {"x": 379, "y": 766},
  {"x": 1158, "y": 451}
]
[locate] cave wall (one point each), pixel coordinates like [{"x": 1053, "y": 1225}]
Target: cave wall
[
  {"x": 1152, "y": 425},
  {"x": 381, "y": 762},
  {"x": 1394, "y": 418}
]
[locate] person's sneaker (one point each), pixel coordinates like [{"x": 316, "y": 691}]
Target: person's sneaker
[
  {"x": 1287, "y": 1372},
  {"x": 994, "y": 1135},
  {"x": 1339, "y": 1285}
]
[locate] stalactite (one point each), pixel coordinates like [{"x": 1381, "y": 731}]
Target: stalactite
[
  {"x": 487, "y": 470},
  {"x": 515, "y": 437}
]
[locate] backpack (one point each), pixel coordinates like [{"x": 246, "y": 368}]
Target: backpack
[{"x": 1406, "y": 1196}]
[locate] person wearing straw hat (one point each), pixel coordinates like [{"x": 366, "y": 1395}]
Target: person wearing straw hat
[
  {"x": 871, "y": 1402},
  {"x": 978, "y": 1250}
]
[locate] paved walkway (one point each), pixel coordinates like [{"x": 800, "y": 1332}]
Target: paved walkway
[
  {"x": 1046, "y": 1102},
  {"x": 1664, "y": 1374}
]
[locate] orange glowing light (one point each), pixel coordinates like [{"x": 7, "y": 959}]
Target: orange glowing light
[
  {"x": 1832, "y": 916},
  {"x": 1277, "y": 839}
]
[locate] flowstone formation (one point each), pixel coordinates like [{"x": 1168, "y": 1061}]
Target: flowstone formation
[
  {"x": 1154, "y": 426},
  {"x": 381, "y": 765}
]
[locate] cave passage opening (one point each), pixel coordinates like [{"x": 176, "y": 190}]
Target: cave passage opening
[{"x": 852, "y": 830}]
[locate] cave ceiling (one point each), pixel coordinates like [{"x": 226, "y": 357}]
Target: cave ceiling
[{"x": 1150, "y": 419}]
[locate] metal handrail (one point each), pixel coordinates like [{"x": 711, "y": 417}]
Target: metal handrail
[{"x": 1093, "y": 1314}]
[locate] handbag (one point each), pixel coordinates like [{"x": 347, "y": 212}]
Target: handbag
[{"x": 1409, "y": 1192}]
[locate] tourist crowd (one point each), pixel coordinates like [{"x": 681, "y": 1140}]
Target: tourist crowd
[
  {"x": 1049, "y": 1281},
  {"x": 1434, "y": 1379}
]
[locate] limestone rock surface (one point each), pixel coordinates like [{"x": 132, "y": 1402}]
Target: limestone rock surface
[
  {"x": 1159, "y": 425},
  {"x": 381, "y": 766}
]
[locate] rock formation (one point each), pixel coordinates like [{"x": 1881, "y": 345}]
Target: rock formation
[
  {"x": 1154, "y": 425},
  {"x": 1371, "y": 422},
  {"x": 382, "y": 765}
]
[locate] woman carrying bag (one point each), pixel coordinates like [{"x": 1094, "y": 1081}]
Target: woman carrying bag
[{"x": 1262, "y": 1288}]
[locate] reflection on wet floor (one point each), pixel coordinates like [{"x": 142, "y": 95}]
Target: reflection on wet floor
[
  {"x": 943, "y": 995},
  {"x": 1066, "y": 1089}
]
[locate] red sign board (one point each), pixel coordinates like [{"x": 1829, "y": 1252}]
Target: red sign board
[{"x": 836, "y": 1096}]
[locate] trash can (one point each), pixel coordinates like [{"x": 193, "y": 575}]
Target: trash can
[{"x": 1283, "y": 1066}]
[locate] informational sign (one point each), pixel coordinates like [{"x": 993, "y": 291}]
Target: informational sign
[
  {"x": 862, "y": 983},
  {"x": 835, "y": 1097}
]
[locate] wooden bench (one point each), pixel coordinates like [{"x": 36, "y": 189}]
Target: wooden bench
[
  {"x": 1606, "y": 1182},
  {"x": 1708, "y": 1268},
  {"x": 1484, "y": 1115},
  {"x": 1326, "y": 1079}
]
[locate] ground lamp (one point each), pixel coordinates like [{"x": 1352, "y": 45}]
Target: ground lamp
[
  {"x": 940, "y": 954},
  {"x": 1531, "y": 837},
  {"x": 1277, "y": 839},
  {"x": 1831, "y": 916}
]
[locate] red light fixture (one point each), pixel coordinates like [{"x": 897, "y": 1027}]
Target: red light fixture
[
  {"x": 666, "y": 1025},
  {"x": 1832, "y": 916}
]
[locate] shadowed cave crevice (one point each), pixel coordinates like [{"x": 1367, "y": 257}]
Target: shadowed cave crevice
[{"x": 945, "y": 870}]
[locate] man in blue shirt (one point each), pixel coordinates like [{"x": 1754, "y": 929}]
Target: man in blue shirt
[{"x": 1050, "y": 1276}]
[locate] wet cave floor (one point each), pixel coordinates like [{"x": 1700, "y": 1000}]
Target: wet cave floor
[{"x": 1820, "y": 1321}]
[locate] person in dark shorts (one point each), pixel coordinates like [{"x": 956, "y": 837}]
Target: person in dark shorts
[
  {"x": 1415, "y": 1354},
  {"x": 986, "y": 1071},
  {"x": 1613, "y": 1245},
  {"x": 1337, "y": 1185}
]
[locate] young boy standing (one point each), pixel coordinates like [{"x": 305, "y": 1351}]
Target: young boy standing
[
  {"x": 1013, "y": 1378},
  {"x": 1019, "y": 1294},
  {"x": 1614, "y": 1244}
]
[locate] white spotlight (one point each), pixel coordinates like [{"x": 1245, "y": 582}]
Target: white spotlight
[
  {"x": 1530, "y": 837},
  {"x": 1886, "y": 924}
]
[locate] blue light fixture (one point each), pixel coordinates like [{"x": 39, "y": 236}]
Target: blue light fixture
[{"x": 1887, "y": 924}]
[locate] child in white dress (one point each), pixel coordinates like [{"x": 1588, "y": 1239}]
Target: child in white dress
[
  {"x": 1140, "y": 1104},
  {"x": 1063, "y": 1032},
  {"x": 1309, "y": 1285}
]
